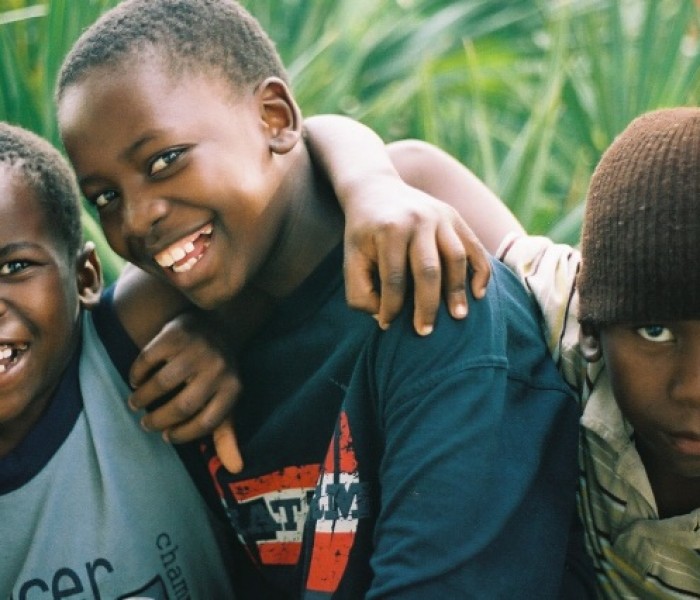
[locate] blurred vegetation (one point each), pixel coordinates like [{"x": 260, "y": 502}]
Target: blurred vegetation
[{"x": 527, "y": 93}]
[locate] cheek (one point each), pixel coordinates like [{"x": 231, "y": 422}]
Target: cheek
[
  {"x": 111, "y": 227},
  {"x": 638, "y": 390}
]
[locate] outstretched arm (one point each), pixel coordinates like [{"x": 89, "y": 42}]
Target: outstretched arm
[{"x": 391, "y": 222}]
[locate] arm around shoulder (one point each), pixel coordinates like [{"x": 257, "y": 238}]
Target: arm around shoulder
[
  {"x": 439, "y": 174},
  {"x": 144, "y": 304}
]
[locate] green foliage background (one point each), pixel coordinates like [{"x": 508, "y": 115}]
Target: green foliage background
[{"x": 528, "y": 93}]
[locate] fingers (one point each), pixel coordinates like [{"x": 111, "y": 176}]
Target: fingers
[
  {"x": 158, "y": 351},
  {"x": 433, "y": 242},
  {"x": 393, "y": 245},
  {"x": 480, "y": 264},
  {"x": 226, "y": 445},
  {"x": 185, "y": 381},
  {"x": 359, "y": 285},
  {"x": 426, "y": 271},
  {"x": 165, "y": 366},
  {"x": 475, "y": 257}
]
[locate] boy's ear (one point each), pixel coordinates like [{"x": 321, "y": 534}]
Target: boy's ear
[
  {"x": 280, "y": 114},
  {"x": 589, "y": 342},
  {"x": 88, "y": 275}
]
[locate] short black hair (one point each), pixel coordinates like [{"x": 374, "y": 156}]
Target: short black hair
[
  {"x": 190, "y": 36},
  {"x": 43, "y": 167}
]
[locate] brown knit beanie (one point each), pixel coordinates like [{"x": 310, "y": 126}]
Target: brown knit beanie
[{"x": 641, "y": 233}]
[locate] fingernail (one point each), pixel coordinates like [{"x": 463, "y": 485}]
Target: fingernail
[
  {"x": 382, "y": 325},
  {"x": 130, "y": 404},
  {"x": 460, "y": 311},
  {"x": 425, "y": 330},
  {"x": 166, "y": 437},
  {"x": 144, "y": 426}
]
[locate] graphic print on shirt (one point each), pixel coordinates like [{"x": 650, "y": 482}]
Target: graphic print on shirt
[
  {"x": 92, "y": 577},
  {"x": 269, "y": 512}
]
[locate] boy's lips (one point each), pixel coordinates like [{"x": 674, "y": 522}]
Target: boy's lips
[
  {"x": 687, "y": 443},
  {"x": 182, "y": 255},
  {"x": 10, "y": 354}
]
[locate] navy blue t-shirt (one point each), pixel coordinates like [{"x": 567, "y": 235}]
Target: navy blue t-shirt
[{"x": 383, "y": 464}]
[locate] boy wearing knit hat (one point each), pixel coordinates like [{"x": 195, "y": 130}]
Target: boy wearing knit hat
[
  {"x": 622, "y": 319},
  {"x": 635, "y": 358}
]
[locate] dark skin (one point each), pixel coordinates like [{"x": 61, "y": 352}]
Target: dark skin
[
  {"x": 163, "y": 176},
  {"x": 655, "y": 377},
  {"x": 41, "y": 291},
  {"x": 132, "y": 172},
  {"x": 43, "y": 288}
]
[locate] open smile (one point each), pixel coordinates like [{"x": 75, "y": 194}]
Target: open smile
[
  {"x": 182, "y": 255},
  {"x": 10, "y": 355}
]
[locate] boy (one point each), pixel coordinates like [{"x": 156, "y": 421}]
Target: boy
[
  {"x": 179, "y": 122},
  {"x": 86, "y": 497},
  {"x": 624, "y": 330}
]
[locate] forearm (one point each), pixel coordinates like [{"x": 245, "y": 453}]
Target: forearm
[
  {"x": 435, "y": 172},
  {"x": 357, "y": 163},
  {"x": 144, "y": 304},
  {"x": 351, "y": 154}
]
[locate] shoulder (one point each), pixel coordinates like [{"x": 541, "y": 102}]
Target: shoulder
[
  {"x": 117, "y": 342},
  {"x": 501, "y": 331}
]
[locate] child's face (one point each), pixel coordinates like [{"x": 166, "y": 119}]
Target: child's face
[
  {"x": 655, "y": 375},
  {"x": 39, "y": 303},
  {"x": 182, "y": 173}
]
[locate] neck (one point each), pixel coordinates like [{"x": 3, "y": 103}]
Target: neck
[{"x": 313, "y": 226}]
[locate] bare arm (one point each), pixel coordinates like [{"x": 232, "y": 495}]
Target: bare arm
[
  {"x": 437, "y": 173},
  {"x": 182, "y": 356},
  {"x": 390, "y": 223},
  {"x": 144, "y": 304}
]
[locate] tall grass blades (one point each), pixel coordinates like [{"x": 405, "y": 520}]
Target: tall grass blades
[{"x": 528, "y": 93}]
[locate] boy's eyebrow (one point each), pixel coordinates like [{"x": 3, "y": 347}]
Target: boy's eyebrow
[
  {"x": 13, "y": 247},
  {"x": 125, "y": 154},
  {"x": 130, "y": 150}
]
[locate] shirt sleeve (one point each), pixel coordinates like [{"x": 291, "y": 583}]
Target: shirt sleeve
[
  {"x": 478, "y": 473},
  {"x": 548, "y": 271}
]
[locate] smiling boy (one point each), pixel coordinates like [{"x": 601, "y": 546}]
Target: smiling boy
[
  {"x": 86, "y": 497},
  {"x": 377, "y": 464}
]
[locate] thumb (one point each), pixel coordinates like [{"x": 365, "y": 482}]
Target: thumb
[{"x": 226, "y": 446}]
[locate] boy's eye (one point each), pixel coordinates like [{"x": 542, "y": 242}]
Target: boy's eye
[
  {"x": 13, "y": 266},
  {"x": 103, "y": 199},
  {"x": 162, "y": 161},
  {"x": 656, "y": 333}
]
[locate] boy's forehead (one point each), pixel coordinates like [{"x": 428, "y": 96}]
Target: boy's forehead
[
  {"x": 19, "y": 200},
  {"x": 128, "y": 86},
  {"x": 24, "y": 217}
]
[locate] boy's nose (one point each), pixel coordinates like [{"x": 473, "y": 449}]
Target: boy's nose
[
  {"x": 142, "y": 214},
  {"x": 687, "y": 379}
]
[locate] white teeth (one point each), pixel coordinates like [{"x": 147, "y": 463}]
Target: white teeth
[
  {"x": 178, "y": 253},
  {"x": 186, "y": 266},
  {"x": 165, "y": 260},
  {"x": 180, "y": 249},
  {"x": 9, "y": 354}
]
